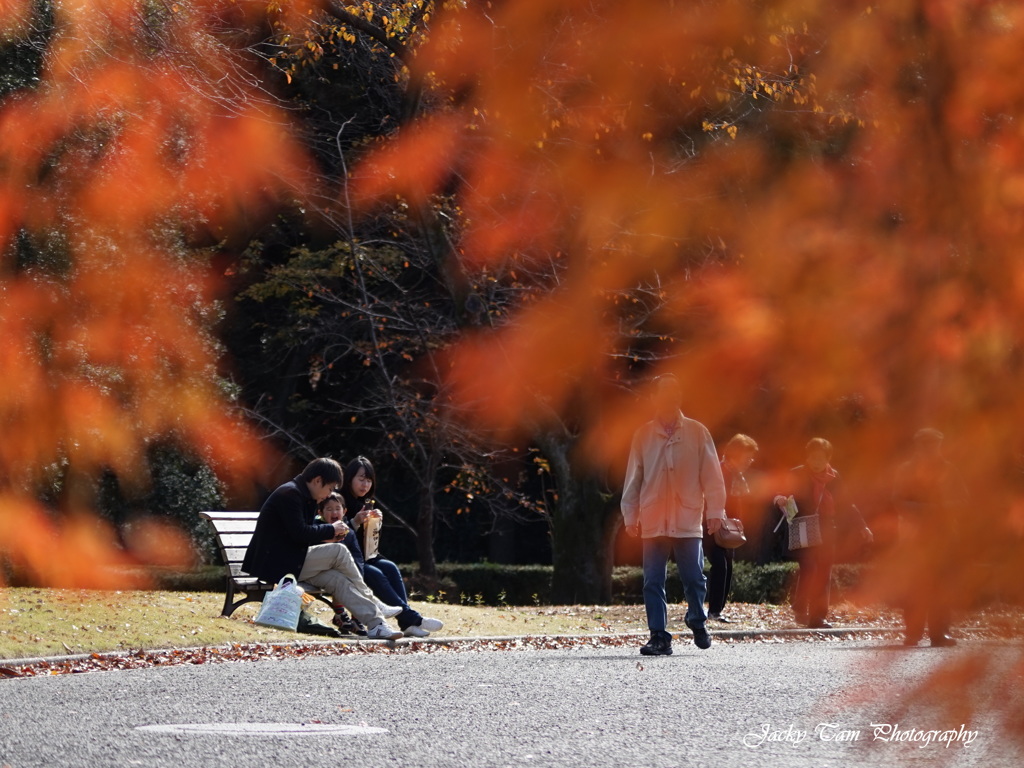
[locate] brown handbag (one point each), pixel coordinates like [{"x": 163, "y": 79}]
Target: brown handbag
[{"x": 730, "y": 534}]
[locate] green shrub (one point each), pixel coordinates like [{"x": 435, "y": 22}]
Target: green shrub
[
  {"x": 181, "y": 488},
  {"x": 175, "y": 486},
  {"x": 487, "y": 583},
  {"x": 769, "y": 583},
  {"x": 628, "y": 585},
  {"x": 484, "y": 583},
  {"x": 495, "y": 585},
  {"x": 846, "y": 577},
  {"x": 202, "y": 578}
]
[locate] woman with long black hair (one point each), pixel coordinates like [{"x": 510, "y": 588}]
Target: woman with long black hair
[{"x": 380, "y": 574}]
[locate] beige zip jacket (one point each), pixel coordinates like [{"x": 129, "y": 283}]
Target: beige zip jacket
[{"x": 671, "y": 481}]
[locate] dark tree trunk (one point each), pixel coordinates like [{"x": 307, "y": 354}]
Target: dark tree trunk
[
  {"x": 425, "y": 534},
  {"x": 581, "y": 524}
]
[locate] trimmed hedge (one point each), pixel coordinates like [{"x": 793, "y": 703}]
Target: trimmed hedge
[
  {"x": 750, "y": 583},
  {"x": 495, "y": 584},
  {"x": 769, "y": 583},
  {"x": 483, "y": 584}
]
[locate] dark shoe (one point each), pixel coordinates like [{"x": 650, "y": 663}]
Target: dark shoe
[
  {"x": 719, "y": 617},
  {"x": 310, "y": 626},
  {"x": 701, "y": 638},
  {"x": 943, "y": 641},
  {"x": 911, "y": 641},
  {"x": 660, "y": 644},
  {"x": 347, "y": 625},
  {"x": 819, "y": 624}
]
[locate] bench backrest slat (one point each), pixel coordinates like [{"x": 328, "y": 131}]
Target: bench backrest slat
[
  {"x": 233, "y": 554},
  {"x": 234, "y": 532},
  {"x": 232, "y": 521},
  {"x": 235, "y": 540},
  {"x": 239, "y": 575},
  {"x": 234, "y": 526}
]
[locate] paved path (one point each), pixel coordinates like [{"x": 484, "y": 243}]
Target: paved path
[{"x": 746, "y": 704}]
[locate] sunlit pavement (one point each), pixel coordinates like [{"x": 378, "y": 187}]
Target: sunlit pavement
[
  {"x": 839, "y": 702},
  {"x": 309, "y": 644}
]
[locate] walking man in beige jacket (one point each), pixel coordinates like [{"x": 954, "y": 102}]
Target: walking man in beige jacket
[{"x": 672, "y": 478}]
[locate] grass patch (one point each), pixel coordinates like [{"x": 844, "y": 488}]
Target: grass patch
[{"x": 55, "y": 622}]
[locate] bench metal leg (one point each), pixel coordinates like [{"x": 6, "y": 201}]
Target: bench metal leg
[
  {"x": 230, "y": 604},
  {"x": 228, "y": 597},
  {"x": 325, "y": 600},
  {"x": 247, "y": 599}
]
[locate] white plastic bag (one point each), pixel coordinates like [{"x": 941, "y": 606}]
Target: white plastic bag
[{"x": 282, "y": 605}]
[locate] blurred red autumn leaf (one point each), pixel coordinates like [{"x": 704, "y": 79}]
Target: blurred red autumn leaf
[
  {"x": 819, "y": 204},
  {"x": 121, "y": 153}
]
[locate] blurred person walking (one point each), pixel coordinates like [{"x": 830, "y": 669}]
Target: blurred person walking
[
  {"x": 816, "y": 490},
  {"x": 929, "y": 496},
  {"x": 672, "y": 477},
  {"x": 737, "y": 456}
]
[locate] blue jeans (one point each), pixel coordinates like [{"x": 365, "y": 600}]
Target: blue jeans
[
  {"x": 385, "y": 581},
  {"x": 690, "y": 559}
]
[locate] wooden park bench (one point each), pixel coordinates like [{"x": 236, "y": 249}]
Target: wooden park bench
[{"x": 234, "y": 532}]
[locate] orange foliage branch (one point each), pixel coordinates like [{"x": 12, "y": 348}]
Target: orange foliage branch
[
  {"x": 845, "y": 263},
  {"x": 119, "y": 158}
]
